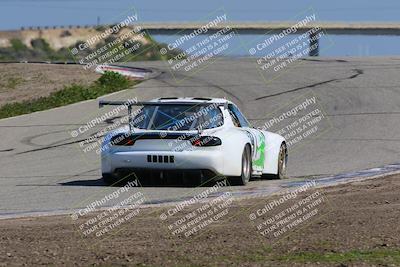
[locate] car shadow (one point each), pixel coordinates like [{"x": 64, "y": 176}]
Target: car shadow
[
  {"x": 265, "y": 177},
  {"x": 141, "y": 183},
  {"x": 97, "y": 182}
]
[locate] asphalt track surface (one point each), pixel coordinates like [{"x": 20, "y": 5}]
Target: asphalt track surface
[{"x": 43, "y": 168}]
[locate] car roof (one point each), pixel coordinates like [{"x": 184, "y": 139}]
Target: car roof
[{"x": 191, "y": 100}]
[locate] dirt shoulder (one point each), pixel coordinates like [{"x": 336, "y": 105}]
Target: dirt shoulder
[
  {"x": 25, "y": 81},
  {"x": 355, "y": 225}
]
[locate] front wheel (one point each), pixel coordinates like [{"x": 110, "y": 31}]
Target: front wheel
[{"x": 246, "y": 169}]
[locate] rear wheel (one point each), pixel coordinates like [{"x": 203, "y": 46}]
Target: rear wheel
[
  {"x": 246, "y": 169},
  {"x": 282, "y": 162}
]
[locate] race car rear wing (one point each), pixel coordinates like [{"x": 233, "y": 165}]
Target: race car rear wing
[{"x": 129, "y": 105}]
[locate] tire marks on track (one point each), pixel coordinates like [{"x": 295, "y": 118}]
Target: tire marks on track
[{"x": 358, "y": 72}]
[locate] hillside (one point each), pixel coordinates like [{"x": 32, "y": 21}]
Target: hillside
[{"x": 56, "y": 44}]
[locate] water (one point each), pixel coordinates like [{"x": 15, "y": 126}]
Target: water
[{"x": 24, "y": 13}]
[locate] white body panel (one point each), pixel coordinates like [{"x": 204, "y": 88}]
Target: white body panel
[{"x": 272, "y": 145}]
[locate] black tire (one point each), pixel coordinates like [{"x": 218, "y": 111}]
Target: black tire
[
  {"x": 246, "y": 169},
  {"x": 282, "y": 159}
]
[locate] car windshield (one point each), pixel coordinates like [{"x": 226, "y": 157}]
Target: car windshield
[{"x": 179, "y": 117}]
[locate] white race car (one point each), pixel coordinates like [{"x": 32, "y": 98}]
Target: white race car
[{"x": 196, "y": 139}]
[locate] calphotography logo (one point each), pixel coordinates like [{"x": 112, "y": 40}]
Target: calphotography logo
[
  {"x": 93, "y": 135},
  {"x": 112, "y": 44},
  {"x": 104, "y": 117},
  {"x": 276, "y": 37},
  {"x": 130, "y": 19},
  {"x": 201, "y": 46},
  {"x": 111, "y": 211},
  {"x": 195, "y": 215},
  {"x": 289, "y": 211},
  {"x": 277, "y": 52},
  {"x": 298, "y": 122}
]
